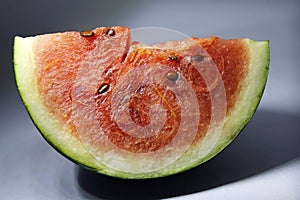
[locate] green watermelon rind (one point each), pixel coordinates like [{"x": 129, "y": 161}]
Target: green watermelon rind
[{"x": 65, "y": 143}]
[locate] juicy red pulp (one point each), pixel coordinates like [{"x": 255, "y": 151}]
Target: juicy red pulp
[{"x": 57, "y": 59}]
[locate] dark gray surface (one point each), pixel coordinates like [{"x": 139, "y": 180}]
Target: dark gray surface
[{"x": 262, "y": 162}]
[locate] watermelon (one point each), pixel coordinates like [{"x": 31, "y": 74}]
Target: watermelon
[{"x": 133, "y": 110}]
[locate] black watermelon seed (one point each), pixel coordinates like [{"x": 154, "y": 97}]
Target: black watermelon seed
[
  {"x": 103, "y": 88},
  {"x": 172, "y": 57},
  {"x": 172, "y": 76},
  {"x": 87, "y": 33},
  {"x": 110, "y": 32}
]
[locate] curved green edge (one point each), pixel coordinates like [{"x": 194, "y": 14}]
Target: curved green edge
[{"x": 47, "y": 125}]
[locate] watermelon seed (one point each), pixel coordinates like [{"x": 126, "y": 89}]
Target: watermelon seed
[
  {"x": 172, "y": 76},
  {"x": 172, "y": 57},
  {"x": 103, "y": 88},
  {"x": 110, "y": 32},
  {"x": 198, "y": 58},
  {"x": 87, "y": 33}
]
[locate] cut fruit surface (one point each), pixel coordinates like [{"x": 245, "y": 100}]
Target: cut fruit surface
[{"x": 132, "y": 110}]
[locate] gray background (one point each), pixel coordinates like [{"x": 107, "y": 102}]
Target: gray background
[{"x": 262, "y": 163}]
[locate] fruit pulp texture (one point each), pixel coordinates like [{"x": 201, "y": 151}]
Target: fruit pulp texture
[{"x": 58, "y": 58}]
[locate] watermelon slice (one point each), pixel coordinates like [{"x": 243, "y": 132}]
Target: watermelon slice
[{"x": 132, "y": 110}]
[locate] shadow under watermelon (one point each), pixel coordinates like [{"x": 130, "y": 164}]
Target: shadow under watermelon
[{"x": 270, "y": 139}]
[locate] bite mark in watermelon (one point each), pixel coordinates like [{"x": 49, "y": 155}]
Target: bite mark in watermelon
[{"x": 132, "y": 110}]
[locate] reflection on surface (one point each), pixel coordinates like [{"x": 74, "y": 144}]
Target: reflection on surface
[{"x": 269, "y": 140}]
